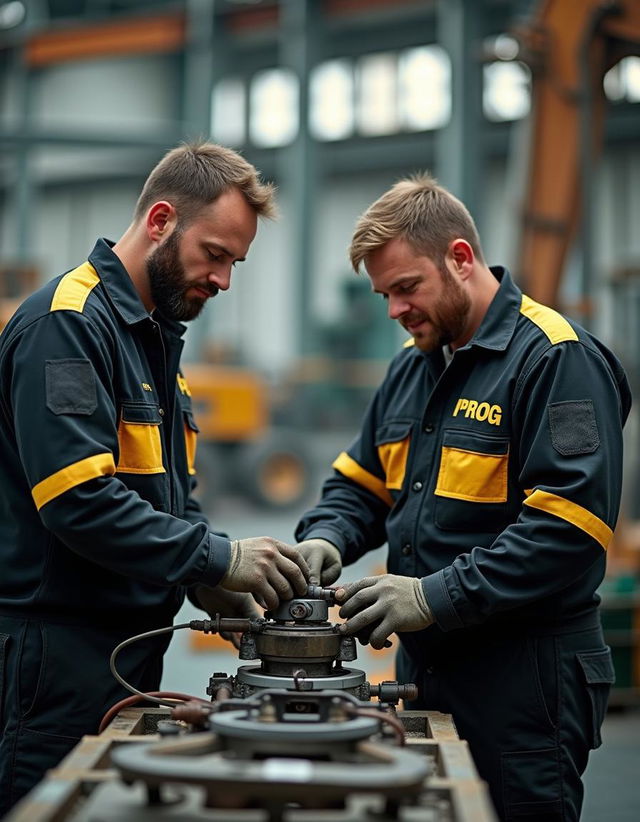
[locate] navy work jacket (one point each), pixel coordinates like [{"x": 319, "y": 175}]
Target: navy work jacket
[
  {"x": 496, "y": 479},
  {"x": 97, "y": 438}
]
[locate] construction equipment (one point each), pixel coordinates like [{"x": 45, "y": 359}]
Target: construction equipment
[
  {"x": 238, "y": 445},
  {"x": 569, "y": 45}
]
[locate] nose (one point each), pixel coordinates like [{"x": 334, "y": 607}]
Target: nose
[
  {"x": 396, "y": 307},
  {"x": 221, "y": 278}
]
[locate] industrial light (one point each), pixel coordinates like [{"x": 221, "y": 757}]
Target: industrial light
[{"x": 12, "y": 14}]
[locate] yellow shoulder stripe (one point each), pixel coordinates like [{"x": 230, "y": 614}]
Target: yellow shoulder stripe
[
  {"x": 353, "y": 471},
  {"x": 409, "y": 343},
  {"x": 100, "y": 465},
  {"x": 553, "y": 324},
  {"x": 571, "y": 512},
  {"x": 74, "y": 288}
]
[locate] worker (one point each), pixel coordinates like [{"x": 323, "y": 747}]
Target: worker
[
  {"x": 490, "y": 461},
  {"x": 100, "y": 535}
]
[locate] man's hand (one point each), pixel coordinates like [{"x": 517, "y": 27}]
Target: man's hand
[
  {"x": 388, "y": 603},
  {"x": 324, "y": 560},
  {"x": 232, "y": 604},
  {"x": 269, "y": 569}
]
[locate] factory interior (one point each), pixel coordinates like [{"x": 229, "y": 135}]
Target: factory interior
[{"x": 528, "y": 111}]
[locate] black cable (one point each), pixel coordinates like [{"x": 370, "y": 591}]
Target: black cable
[{"x": 124, "y": 683}]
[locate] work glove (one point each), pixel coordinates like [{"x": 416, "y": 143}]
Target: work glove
[
  {"x": 230, "y": 604},
  {"x": 324, "y": 560},
  {"x": 267, "y": 568},
  {"x": 376, "y": 607}
]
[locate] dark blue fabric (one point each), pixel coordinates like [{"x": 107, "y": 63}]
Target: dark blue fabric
[
  {"x": 57, "y": 688},
  {"x": 528, "y": 712}
]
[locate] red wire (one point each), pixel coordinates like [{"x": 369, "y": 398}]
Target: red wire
[{"x": 131, "y": 700}]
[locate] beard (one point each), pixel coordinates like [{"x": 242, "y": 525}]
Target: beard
[
  {"x": 168, "y": 283},
  {"x": 448, "y": 317}
]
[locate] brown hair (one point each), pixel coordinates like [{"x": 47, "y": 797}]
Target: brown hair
[
  {"x": 193, "y": 175},
  {"x": 418, "y": 209}
]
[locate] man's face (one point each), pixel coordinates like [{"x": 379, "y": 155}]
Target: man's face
[
  {"x": 194, "y": 263},
  {"x": 428, "y": 301}
]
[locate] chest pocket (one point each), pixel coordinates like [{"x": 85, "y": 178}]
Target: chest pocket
[
  {"x": 392, "y": 442},
  {"x": 191, "y": 432},
  {"x": 139, "y": 439},
  {"x": 472, "y": 485}
]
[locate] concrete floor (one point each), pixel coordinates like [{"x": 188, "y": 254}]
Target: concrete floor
[{"x": 612, "y": 779}]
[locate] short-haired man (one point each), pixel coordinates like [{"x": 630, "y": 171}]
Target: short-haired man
[
  {"x": 490, "y": 460},
  {"x": 99, "y": 533}
]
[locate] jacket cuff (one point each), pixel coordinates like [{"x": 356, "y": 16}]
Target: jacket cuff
[
  {"x": 217, "y": 561},
  {"x": 438, "y": 599}
]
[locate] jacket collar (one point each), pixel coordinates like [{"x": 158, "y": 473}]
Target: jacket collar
[
  {"x": 121, "y": 290},
  {"x": 499, "y": 323}
]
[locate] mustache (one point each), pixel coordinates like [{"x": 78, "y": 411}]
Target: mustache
[{"x": 212, "y": 289}]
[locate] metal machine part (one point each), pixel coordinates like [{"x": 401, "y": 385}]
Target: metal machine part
[
  {"x": 298, "y": 648},
  {"x": 298, "y": 727},
  {"x": 284, "y": 747}
]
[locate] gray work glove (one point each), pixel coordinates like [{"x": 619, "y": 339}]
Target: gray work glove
[
  {"x": 387, "y": 603},
  {"x": 267, "y": 568},
  {"x": 324, "y": 560}
]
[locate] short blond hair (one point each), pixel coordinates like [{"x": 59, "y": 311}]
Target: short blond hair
[
  {"x": 194, "y": 175},
  {"x": 427, "y": 215}
]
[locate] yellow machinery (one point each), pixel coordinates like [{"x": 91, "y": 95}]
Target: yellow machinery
[{"x": 238, "y": 448}]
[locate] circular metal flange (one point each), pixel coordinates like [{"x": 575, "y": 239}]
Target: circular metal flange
[
  {"x": 301, "y": 610},
  {"x": 345, "y": 678},
  {"x": 241, "y": 725}
]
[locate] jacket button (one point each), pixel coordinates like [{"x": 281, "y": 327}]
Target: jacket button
[
  {"x": 428, "y": 429},
  {"x": 407, "y": 550},
  {"x": 161, "y": 412},
  {"x": 417, "y": 486}
]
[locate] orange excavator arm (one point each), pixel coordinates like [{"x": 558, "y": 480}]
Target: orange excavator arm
[{"x": 569, "y": 46}]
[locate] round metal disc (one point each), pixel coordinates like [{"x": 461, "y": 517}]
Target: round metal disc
[
  {"x": 347, "y": 678},
  {"x": 237, "y": 724}
]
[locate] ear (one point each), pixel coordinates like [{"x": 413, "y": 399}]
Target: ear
[
  {"x": 160, "y": 221},
  {"x": 462, "y": 256}
]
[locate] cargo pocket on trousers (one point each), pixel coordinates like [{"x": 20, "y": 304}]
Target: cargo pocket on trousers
[
  {"x": 4, "y": 642},
  {"x": 599, "y": 674},
  {"x": 531, "y": 784}
]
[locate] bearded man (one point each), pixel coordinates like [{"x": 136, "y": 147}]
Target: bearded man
[
  {"x": 490, "y": 460},
  {"x": 100, "y": 536}
]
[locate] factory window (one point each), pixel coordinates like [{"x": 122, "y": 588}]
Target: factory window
[
  {"x": 331, "y": 115},
  {"x": 273, "y": 119},
  {"x": 376, "y": 94},
  {"x": 506, "y": 91},
  {"x": 228, "y": 112},
  {"x": 424, "y": 88},
  {"x": 622, "y": 82}
]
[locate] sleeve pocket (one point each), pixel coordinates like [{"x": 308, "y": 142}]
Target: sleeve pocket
[
  {"x": 599, "y": 675},
  {"x": 573, "y": 427},
  {"x": 70, "y": 386}
]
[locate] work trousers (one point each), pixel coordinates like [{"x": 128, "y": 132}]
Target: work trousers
[
  {"x": 530, "y": 707},
  {"x": 55, "y": 687}
]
